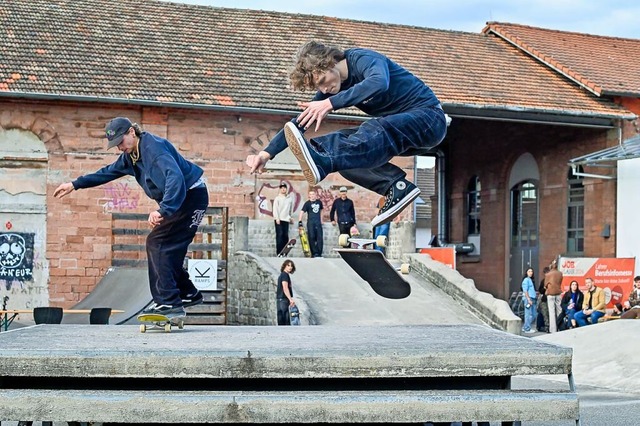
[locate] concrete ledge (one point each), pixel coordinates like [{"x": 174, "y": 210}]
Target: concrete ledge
[
  {"x": 494, "y": 312},
  {"x": 84, "y": 351},
  {"x": 286, "y": 407}
]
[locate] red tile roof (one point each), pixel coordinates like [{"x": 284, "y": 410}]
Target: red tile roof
[
  {"x": 604, "y": 65},
  {"x": 147, "y": 51}
]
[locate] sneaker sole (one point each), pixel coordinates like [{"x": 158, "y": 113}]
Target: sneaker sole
[
  {"x": 194, "y": 303},
  {"x": 390, "y": 214},
  {"x": 298, "y": 147}
]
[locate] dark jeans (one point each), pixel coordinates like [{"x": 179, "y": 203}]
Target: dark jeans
[
  {"x": 362, "y": 154},
  {"x": 282, "y": 306},
  {"x": 167, "y": 246},
  {"x": 314, "y": 229},
  {"x": 282, "y": 235},
  {"x": 345, "y": 227}
]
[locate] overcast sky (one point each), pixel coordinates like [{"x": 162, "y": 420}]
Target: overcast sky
[{"x": 618, "y": 18}]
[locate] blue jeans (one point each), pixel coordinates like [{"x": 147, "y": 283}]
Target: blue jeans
[
  {"x": 362, "y": 154},
  {"x": 581, "y": 318},
  {"x": 381, "y": 230},
  {"x": 529, "y": 314},
  {"x": 167, "y": 246}
]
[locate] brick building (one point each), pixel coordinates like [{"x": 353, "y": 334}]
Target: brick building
[{"x": 214, "y": 82}]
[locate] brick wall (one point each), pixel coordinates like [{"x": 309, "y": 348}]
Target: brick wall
[
  {"x": 489, "y": 150},
  {"x": 79, "y": 226}
]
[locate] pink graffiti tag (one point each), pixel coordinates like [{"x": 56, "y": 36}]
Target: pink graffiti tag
[{"x": 121, "y": 197}]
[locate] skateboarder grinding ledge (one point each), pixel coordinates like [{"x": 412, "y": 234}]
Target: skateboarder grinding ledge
[
  {"x": 177, "y": 185},
  {"x": 408, "y": 121}
]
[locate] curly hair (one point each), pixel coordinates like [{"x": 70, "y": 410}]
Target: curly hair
[{"x": 311, "y": 59}]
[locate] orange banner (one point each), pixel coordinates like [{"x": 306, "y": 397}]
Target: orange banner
[
  {"x": 613, "y": 275},
  {"x": 446, "y": 255}
]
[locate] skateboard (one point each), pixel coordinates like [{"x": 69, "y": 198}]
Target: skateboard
[
  {"x": 304, "y": 240},
  {"x": 285, "y": 251},
  {"x": 294, "y": 315},
  {"x": 375, "y": 269},
  {"x": 346, "y": 240},
  {"x": 151, "y": 321}
]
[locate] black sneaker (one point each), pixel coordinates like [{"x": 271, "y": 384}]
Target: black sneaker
[
  {"x": 400, "y": 195},
  {"x": 315, "y": 167},
  {"x": 166, "y": 310},
  {"x": 192, "y": 299}
]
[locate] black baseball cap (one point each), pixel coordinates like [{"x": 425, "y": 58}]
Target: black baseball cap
[
  {"x": 116, "y": 129},
  {"x": 283, "y": 185}
]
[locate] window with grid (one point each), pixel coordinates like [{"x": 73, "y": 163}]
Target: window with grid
[
  {"x": 575, "y": 214},
  {"x": 473, "y": 206}
]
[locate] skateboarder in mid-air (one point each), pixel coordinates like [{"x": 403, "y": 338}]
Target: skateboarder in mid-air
[
  {"x": 177, "y": 185},
  {"x": 408, "y": 121}
]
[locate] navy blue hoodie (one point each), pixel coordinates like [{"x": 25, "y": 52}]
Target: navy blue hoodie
[
  {"x": 161, "y": 171},
  {"x": 376, "y": 85}
]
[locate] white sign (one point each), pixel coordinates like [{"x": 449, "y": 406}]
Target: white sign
[{"x": 204, "y": 273}]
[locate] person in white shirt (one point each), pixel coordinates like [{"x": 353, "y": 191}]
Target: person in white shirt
[{"x": 282, "y": 217}]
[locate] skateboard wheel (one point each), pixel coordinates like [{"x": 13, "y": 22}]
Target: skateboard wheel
[
  {"x": 381, "y": 241},
  {"x": 343, "y": 240},
  {"x": 167, "y": 327},
  {"x": 143, "y": 328},
  {"x": 181, "y": 325},
  {"x": 405, "y": 268}
]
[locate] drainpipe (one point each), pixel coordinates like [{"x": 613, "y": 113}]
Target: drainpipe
[{"x": 442, "y": 198}]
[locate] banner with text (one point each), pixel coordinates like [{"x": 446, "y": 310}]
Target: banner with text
[{"x": 613, "y": 275}]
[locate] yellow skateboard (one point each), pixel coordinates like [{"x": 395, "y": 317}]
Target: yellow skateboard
[{"x": 151, "y": 321}]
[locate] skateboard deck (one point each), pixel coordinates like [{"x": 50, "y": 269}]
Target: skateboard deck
[
  {"x": 304, "y": 240},
  {"x": 151, "y": 321},
  {"x": 287, "y": 249},
  {"x": 375, "y": 269},
  {"x": 294, "y": 315}
]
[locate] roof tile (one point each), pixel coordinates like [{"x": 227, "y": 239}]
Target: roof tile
[
  {"x": 148, "y": 50},
  {"x": 605, "y": 65}
]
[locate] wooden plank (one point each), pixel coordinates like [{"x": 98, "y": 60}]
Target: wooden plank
[
  {"x": 206, "y": 308},
  {"x": 205, "y": 320}
]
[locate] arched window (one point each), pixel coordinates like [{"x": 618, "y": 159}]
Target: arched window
[
  {"x": 575, "y": 213},
  {"x": 473, "y": 206}
]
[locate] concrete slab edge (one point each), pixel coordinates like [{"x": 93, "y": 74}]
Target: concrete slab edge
[{"x": 492, "y": 311}]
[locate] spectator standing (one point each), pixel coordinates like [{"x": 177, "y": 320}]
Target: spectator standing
[
  {"x": 543, "y": 308},
  {"x": 529, "y": 293},
  {"x": 284, "y": 292},
  {"x": 282, "y": 217},
  {"x": 553, "y": 289},
  {"x": 313, "y": 208},
  {"x": 381, "y": 229},
  {"x": 593, "y": 306},
  {"x": 343, "y": 212}
]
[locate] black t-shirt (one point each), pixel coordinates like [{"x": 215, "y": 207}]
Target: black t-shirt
[
  {"x": 284, "y": 277},
  {"x": 313, "y": 210}
]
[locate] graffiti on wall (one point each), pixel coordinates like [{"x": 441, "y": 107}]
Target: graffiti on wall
[
  {"x": 16, "y": 256},
  {"x": 268, "y": 192},
  {"x": 120, "y": 197}
]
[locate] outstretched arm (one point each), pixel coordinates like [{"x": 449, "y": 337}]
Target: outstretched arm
[
  {"x": 256, "y": 162},
  {"x": 64, "y": 189}
]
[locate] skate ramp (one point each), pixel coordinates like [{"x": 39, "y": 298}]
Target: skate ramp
[
  {"x": 125, "y": 289},
  {"x": 604, "y": 355},
  {"x": 336, "y": 295}
]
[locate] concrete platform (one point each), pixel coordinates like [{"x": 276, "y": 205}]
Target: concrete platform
[
  {"x": 276, "y": 352},
  {"x": 323, "y": 374}
]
